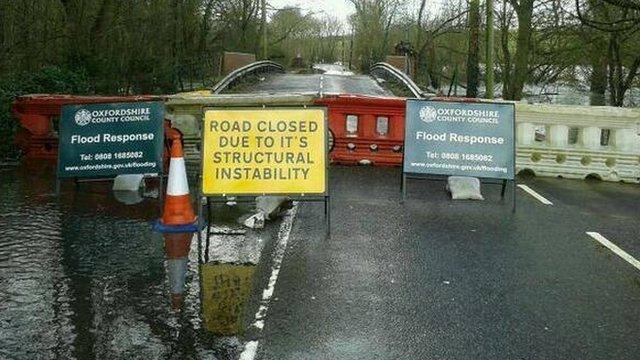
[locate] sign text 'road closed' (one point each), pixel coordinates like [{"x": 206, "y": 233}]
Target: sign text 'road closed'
[{"x": 264, "y": 151}]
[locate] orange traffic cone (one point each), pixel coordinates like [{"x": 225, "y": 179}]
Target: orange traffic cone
[{"x": 177, "y": 203}]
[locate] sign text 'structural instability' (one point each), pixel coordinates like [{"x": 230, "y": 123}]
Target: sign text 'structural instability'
[{"x": 264, "y": 151}]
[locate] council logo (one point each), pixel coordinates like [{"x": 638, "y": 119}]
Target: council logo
[
  {"x": 83, "y": 117},
  {"x": 428, "y": 114}
]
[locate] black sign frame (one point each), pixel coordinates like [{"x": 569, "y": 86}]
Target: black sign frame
[
  {"x": 88, "y": 179},
  {"x": 442, "y": 177},
  {"x": 250, "y": 198}
]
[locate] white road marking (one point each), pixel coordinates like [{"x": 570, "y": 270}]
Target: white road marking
[
  {"x": 250, "y": 350},
  {"x": 251, "y": 347},
  {"x": 613, "y": 247},
  {"x": 535, "y": 194}
]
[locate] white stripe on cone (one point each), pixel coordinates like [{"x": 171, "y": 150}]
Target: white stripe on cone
[{"x": 177, "y": 184}]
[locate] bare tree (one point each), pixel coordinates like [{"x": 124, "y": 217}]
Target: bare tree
[
  {"x": 428, "y": 48},
  {"x": 619, "y": 20},
  {"x": 473, "y": 70},
  {"x": 518, "y": 73},
  {"x": 373, "y": 20}
]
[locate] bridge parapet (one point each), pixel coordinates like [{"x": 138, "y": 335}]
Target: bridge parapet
[
  {"x": 236, "y": 76},
  {"x": 389, "y": 72},
  {"x": 579, "y": 141}
]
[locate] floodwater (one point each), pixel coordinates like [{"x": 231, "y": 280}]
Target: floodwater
[{"x": 83, "y": 276}]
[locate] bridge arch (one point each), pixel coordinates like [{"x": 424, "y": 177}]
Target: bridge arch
[
  {"x": 255, "y": 68},
  {"x": 389, "y": 72}
]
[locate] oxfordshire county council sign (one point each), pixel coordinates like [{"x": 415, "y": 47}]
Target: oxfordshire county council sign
[
  {"x": 105, "y": 140},
  {"x": 460, "y": 138},
  {"x": 264, "y": 151}
]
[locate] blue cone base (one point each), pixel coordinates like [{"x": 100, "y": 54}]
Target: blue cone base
[{"x": 188, "y": 228}]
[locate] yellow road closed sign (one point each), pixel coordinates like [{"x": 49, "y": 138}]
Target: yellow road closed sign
[{"x": 264, "y": 151}]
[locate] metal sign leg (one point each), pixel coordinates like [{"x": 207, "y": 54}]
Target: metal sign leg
[
  {"x": 207, "y": 235},
  {"x": 404, "y": 188},
  {"x": 200, "y": 221},
  {"x": 161, "y": 192},
  {"x": 327, "y": 216},
  {"x": 514, "y": 195}
]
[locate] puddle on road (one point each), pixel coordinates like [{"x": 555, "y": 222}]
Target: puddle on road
[
  {"x": 225, "y": 287},
  {"x": 83, "y": 276}
]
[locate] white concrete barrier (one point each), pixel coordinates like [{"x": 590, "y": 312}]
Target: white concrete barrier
[{"x": 579, "y": 141}]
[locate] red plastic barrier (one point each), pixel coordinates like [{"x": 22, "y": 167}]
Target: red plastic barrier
[
  {"x": 37, "y": 146},
  {"x": 365, "y": 130},
  {"x": 38, "y": 113}
]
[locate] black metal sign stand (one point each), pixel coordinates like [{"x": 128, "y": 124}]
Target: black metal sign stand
[
  {"x": 503, "y": 182},
  {"x": 159, "y": 118},
  {"x": 205, "y": 223}
]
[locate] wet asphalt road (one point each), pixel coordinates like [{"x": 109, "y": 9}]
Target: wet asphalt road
[
  {"x": 436, "y": 279},
  {"x": 316, "y": 83},
  {"x": 85, "y": 277}
]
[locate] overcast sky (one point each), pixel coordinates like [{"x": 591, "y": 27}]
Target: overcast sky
[{"x": 339, "y": 8}]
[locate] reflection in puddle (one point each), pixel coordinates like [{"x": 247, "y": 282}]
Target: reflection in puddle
[
  {"x": 225, "y": 293},
  {"x": 226, "y": 275},
  {"x": 82, "y": 276},
  {"x": 128, "y": 197},
  {"x": 177, "y": 248},
  {"x": 225, "y": 278}
]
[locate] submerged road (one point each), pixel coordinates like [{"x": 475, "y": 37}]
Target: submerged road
[{"x": 437, "y": 279}]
